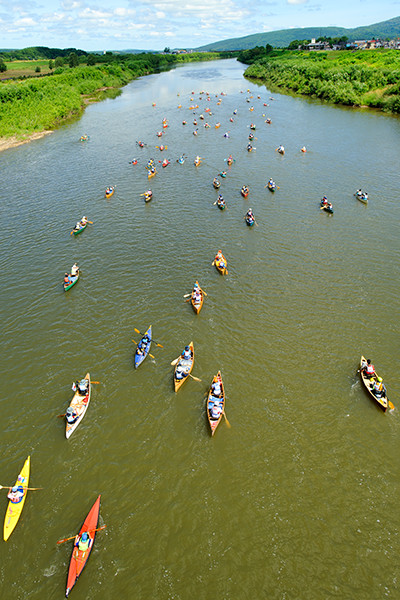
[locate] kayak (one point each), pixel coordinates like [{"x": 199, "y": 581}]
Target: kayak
[
  {"x": 14, "y": 509},
  {"x": 110, "y": 193},
  {"x": 74, "y": 279},
  {"x": 79, "y": 404},
  {"x": 183, "y": 368},
  {"x": 197, "y": 306},
  {"x": 79, "y": 558},
  {"x": 215, "y": 400},
  {"x": 76, "y": 231},
  {"x": 141, "y": 354},
  {"x": 383, "y": 402}
]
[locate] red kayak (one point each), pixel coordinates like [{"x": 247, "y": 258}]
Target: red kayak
[{"x": 79, "y": 558}]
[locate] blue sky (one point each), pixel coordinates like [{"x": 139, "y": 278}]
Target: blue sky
[{"x": 154, "y": 24}]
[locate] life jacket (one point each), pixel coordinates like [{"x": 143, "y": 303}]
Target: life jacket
[
  {"x": 66, "y": 279},
  {"x": 370, "y": 369},
  {"x": 83, "y": 546}
]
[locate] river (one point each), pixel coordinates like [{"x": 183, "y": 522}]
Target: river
[{"x": 298, "y": 498}]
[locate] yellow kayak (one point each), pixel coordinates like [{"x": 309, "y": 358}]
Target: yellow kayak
[{"x": 14, "y": 509}]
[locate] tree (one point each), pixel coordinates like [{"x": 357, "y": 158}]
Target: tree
[
  {"x": 91, "y": 60},
  {"x": 58, "y": 62},
  {"x": 3, "y": 66},
  {"x": 167, "y": 50},
  {"x": 51, "y": 64},
  {"x": 268, "y": 48},
  {"x": 38, "y": 69},
  {"x": 73, "y": 60}
]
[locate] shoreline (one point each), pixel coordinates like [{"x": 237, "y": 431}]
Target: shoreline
[{"x": 14, "y": 141}]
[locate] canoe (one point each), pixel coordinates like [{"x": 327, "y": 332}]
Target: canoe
[
  {"x": 151, "y": 174},
  {"x": 183, "y": 367},
  {"x": 140, "y": 356},
  {"x": 222, "y": 269},
  {"x": 14, "y": 509},
  {"x": 271, "y": 187},
  {"x": 221, "y": 205},
  {"x": 216, "y": 184},
  {"x": 249, "y": 221},
  {"x": 211, "y": 400},
  {"x": 79, "y": 558},
  {"x": 80, "y": 404},
  {"x": 229, "y": 161},
  {"x": 148, "y": 197},
  {"x": 73, "y": 282},
  {"x": 109, "y": 194},
  {"x": 76, "y": 231},
  {"x": 253, "y": 127},
  {"x": 244, "y": 193},
  {"x": 382, "y": 402},
  {"x": 197, "y": 307}
]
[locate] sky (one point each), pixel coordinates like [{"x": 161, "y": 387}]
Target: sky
[{"x": 156, "y": 24}]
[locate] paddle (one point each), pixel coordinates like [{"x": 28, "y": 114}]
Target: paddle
[
  {"x": 23, "y": 486},
  {"x": 74, "y": 536},
  {"x": 277, "y": 186},
  {"x": 193, "y": 377},
  {"x": 173, "y": 363},
  {"x": 156, "y": 343},
  {"x": 59, "y": 416},
  {"x": 95, "y": 382},
  {"x": 226, "y": 420}
]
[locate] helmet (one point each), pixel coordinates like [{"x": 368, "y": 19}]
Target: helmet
[
  {"x": 15, "y": 488},
  {"x": 371, "y": 380},
  {"x": 83, "y": 218},
  {"x": 187, "y": 348},
  {"x": 84, "y": 537},
  {"x": 379, "y": 379}
]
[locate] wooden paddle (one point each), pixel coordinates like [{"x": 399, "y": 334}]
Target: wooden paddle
[
  {"x": 193, "y": 377},
  {"x": 23, "y": 486},
  {"x": 59, "y": 416},
  {"x": 173, "y": 363},
  {"x": 226, "y": 420},
  {"x": 74, "y": 536},
  {"x": 156, "y": 343}
]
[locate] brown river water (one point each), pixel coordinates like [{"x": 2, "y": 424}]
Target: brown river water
[{"x": 298, "y": 498}]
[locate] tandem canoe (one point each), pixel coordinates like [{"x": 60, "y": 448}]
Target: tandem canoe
[
  {"x": 244, "y": 191},
  {"x": 14, "y": 509},
  {"x": 148, "y": 196},
  {"x": 77, "y": 407},
  {"x": 221, "y": 204},
  {"x": 271, "y": 186},
  {"x": 73, "y": 280},
  {"x": 220, "y": 263},
  {"x": 143, "y": 348},
  {"x": 151, "y": 174},
  {"x": 216, "y": 183},
  {"x": 382, "y": 401},
  {"x": 183, "y": 368},
  {"x": 79, "y": 558},
  {"x": 327, "y": 207},
  {"x": 362, "y": 197},
  {"x": 197, "y": 306},
  {"x": 109, "y": 192},
  {"x": 216, "y": 402}
]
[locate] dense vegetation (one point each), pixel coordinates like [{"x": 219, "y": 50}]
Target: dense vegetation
[
  {"x": 281, "y": 39},
  {"x": 362, "y": 78},
  {"x": 37, "y": 104}
]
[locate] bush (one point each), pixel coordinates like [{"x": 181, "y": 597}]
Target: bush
[
  {"x": 38, "y": 69},
  {"x": 3, "y": 66}
]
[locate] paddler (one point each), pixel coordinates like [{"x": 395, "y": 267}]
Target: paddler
[
  {"x": 74, "y": 270},
  {"x": 83, "y": 542},
  {"x": 15, "y": 494}
]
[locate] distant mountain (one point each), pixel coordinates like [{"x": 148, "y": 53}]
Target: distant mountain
[{"x": 283, "y": 37}]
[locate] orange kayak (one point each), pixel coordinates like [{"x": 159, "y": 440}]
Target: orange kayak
[{"x": 79, "y": 558}]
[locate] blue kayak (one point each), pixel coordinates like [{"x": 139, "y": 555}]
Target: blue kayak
[{"x": 143, "y": 348}]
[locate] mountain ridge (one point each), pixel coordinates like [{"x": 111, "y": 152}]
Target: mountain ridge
[{"x": 282, "y": 37}]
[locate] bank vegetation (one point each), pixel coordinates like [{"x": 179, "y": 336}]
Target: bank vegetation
[
  {"x": 353, "y": 78},
  {"x": 41, "y": 103}
]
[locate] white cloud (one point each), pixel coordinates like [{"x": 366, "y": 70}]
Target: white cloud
[
  {"x": 25, "y": 21},
  {"x": 296, "y": 1},
  {"x": 123, "y": 12}
]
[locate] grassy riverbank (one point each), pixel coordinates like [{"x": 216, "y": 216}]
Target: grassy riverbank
[
  {"x": 35, "y": 105},
  {"x": 362, "y": 78}
]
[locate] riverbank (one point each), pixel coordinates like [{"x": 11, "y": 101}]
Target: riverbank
[
  {"x": 32, "y": 108},
  {"x": 366, "y": 78}
]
